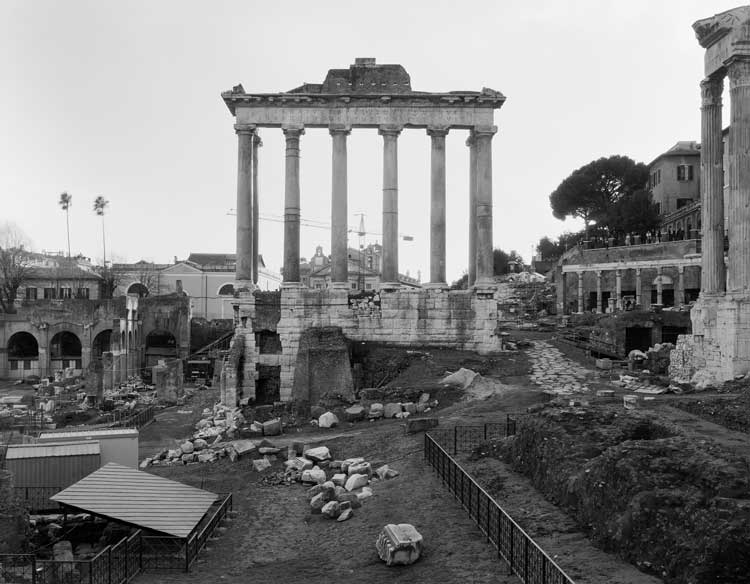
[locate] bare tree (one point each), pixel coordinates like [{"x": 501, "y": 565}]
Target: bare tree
[
  {"x": 14, "y": 265},
  {"x": 65, "y": 202}
]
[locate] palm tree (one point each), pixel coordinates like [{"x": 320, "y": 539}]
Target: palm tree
[
  {"x": 65, "y": 202},
  {"x": 100, "y": 203}
]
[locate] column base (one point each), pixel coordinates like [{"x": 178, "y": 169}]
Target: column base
[
  {"x": 291, "y": 285},
  {"x": 244, "y": 287}
]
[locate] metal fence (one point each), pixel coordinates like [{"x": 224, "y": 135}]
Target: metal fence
[
  {"x": 466, "y": 438},
  {"x": 133, "y": 419},
  {"x": 524, "y": 557},
  {"x": 119, "y": 563}
]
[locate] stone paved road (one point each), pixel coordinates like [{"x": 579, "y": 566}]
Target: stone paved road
[{"x": 553, "y": 371}]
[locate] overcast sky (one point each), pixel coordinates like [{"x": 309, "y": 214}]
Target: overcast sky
[{"x": 122, "y": 99}]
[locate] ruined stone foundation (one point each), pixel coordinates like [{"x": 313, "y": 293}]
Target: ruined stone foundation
[{"x": 718, "y": 350}]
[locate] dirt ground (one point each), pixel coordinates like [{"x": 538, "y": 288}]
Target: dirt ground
[{"x": 273, "y": 535}]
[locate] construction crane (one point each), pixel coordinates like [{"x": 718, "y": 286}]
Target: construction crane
[{"x": 327, "y": 226}]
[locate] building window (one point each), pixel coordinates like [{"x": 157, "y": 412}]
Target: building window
[
  {"x": 27, "y": 365},
  {"x": 368, "y": 286},
  {"x": 685, "y": 172},
  {"x": 658, "y": 208},
  {"x": 226, "y": 290},
  {"x": 50, "y": 293},
  {"x": 318, "y": 286},
  {"x": 82, "y": 293},
  {"x": 13, "y": 365},
  {"x": 66, "y": 292},
  {"x": 30, "y": 293},
  {"x": 354, "y": 285}
]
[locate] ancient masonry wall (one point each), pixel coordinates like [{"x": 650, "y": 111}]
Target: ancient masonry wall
[{"x": 719, "y": 348}]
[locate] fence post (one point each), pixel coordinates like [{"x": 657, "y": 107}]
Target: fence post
[
  {"x": 455, "y": 440},
  {"x": 488, "y": 518},
  {"x": 91, "y": 571},
  {"x": 525, "y": 558},
  {"x": 33, "y": 569},
  {"x": 512, "y": 554},
  {"x": 109, "y": 564},
  {"x": 485, "y": 430},
  {"x": 478, "y": 502},
  {"x": 187, "y": 554}
]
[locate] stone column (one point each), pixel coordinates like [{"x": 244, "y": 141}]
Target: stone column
[
  {"x": 437, "y": 205},
  {"x": 659, "y": 286},
  {"x": 339, "y": 212},
  {"x": 291, "y": 204},
  {"x": 472, "y": 144},
  {"x": 389, "y": 276},
  {"x": 713, "y": 273},
  {"x": 679, "y": 297},
  {"x": 637, "y": 286},
  {"x": 618, "y": 289},
  {"x": 483, "y": 136},
  {"x": 598, "y": 291},
  {"x": 244, "y": 267},
  {"x": 257, "y": 143},
  {"x": 580, "y": 292},
  {"x": 738, "y": 279}
]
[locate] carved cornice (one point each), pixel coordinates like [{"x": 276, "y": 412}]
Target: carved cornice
[
  {"x": 711, "y": 90},
  {"x": 470, "y": 99},
  {"x": 710, "y": 30}
]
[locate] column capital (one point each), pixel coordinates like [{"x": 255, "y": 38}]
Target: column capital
[
  {"x": 339, "y": 129},
  {"x": 245, "y": 128},
  {"x": 638, "y": 272},
  {"x": 618, "y": 273},
  {"x": 438, "y": 131},
  {"x": 484, "y": 131},
  {"x": 738, "y": 71},
  {"x": 293, "y": 131},
  {"x": 390, "y": 130},
  {"x": 711, "y": 90},
  {"x": 680, "y": 270}
]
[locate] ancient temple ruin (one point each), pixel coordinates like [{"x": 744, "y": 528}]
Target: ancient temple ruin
[
  {"x": 719, "y": 347},
  {"x": 366, "y": 95}
]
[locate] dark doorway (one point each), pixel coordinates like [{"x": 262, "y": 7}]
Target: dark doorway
[
  {"x": 102, "y": 342},
  {"x": 268, "y": 384},
  {"x": 268, "y": 342},
  {"x": 637, "y": 337}
]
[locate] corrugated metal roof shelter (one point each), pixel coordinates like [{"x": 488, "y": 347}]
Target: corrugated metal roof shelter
[
  {"x": 132, "y": 496},
  {"x": 51, "y": 466},
  {"x": 118, "y": 445},
  {"x": 51, "y": 449}
]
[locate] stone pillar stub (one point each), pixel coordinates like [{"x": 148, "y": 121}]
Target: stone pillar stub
[
  {"x": 339, "y": 207},
  {"x": 437, "y": 204},
  {"x": 472, "y": 144},
  {"x": 292, "y": 204},
  {"x": 637, "y": 286},
  {"x": 618, "y": 289},
  {"x": 598, "y": 292},
  {"x": 713, "y": 272},
  {"x": 244, "y": 266},
  {"x": 580, "y": 292},
  {"x": 483, "y": 136},
  {"x": 738, "y": 280},
  {"x": 390, "y": 205}
]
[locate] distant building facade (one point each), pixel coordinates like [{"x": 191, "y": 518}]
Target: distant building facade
[{"x": 674, "y": 177}]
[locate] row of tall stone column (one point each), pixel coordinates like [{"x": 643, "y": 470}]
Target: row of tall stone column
[
  {"x": 715, "y": 279},
  {"x": 480, "y": 205}
]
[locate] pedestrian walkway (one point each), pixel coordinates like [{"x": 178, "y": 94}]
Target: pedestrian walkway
[{"x": 554, "y": 372}]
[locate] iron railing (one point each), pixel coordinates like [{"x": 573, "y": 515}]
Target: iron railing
[
  {"x": 36, "y": 499},
  {"x": 524, "y": 557},
  {"x": 466, "y": 438}
]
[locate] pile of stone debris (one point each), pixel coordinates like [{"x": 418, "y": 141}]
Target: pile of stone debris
[
  {"x": 324, "y": 418},
  {"x": 339, "y": 486}
]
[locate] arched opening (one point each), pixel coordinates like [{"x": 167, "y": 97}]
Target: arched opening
[
  {"x": 65, "y": 351},
  {"x": 226, "y": 290},
  {"x": 160, "y": 344},
  {"x": 23, "y": 355},
  {"x": 139, "y": 289},
  {"x": 102, "y": 343}
]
